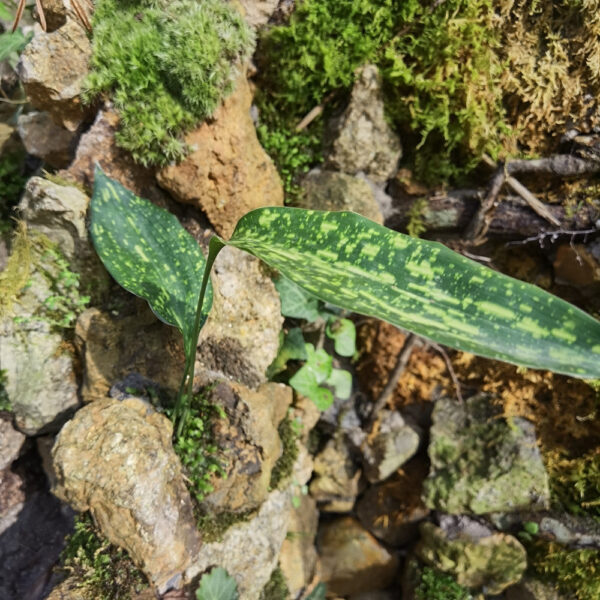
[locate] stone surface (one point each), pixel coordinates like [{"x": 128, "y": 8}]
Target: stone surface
[
  {"x": 133, "y": 341},
  {"x": 116, "y": 460},
  {"x": 52, "y": 68},
  {"x": 394, "y": 443},
  {"x": 352, "y": 560},
  {"x": 241, "y": 336},
  {"x": 228, "y": 173},
  {"x": 335, "y": 484},
  {"x": 258, "y": 12},
  {"x": 532, "y": 589},
  {"x": 480, "y": 463},
  {"x": 11, "y": 442},
  {"x": 56, "y": 12},
  {"x": 329, "y": 190},
  {"x": 298, "y": 556},
  {"x": 43, "y": 138},
  {"x": 392, "y": 510},
  {"x": 474, "y": 555},
  {"x": 361, "y": 138},
  {"x": 248, "y": 443}
]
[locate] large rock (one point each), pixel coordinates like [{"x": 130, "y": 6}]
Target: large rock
[
  {"x": 228, "y": 173},
  {"x": 480, "y": 463},
  {"x": 361, "y": 139},
  {"x": 353, "y": 561},
  {"x": 328, "y": 190},
  {"x": 11, "y": 442},
  {"x": 258, "y": 12},
  {"x": 43, "y": 138},
  {"x": 116, "y": 460},
  {"x": 473, "y": 554},
  {"x": 52, "y": 69},
  {"x": 241, "y": 336},
  {"x": 249, "y": 444}
]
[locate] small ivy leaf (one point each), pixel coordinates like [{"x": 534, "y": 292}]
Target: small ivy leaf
[
  {"x": 341, "y": 382},
  {"x": 217, "y": 585},
  {"x": 343, "y": 334},
  {"x": 319, "y": 362},
  {"x": 292, "y": 348},
  {"x": 308, "y": 379},
  {"x": 296, "y": 302}
]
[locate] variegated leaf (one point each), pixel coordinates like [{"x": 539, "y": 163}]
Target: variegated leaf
[
  {"x": 150, "y": 254},
  {"x": 422, "y": 286}
]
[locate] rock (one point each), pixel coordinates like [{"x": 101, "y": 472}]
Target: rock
[
  {"x": 43, "y": 138},
  {"x": 361, "y": 138},
  {"x": 475, "y": 556},
  {"x": 258, "y": 12},
  {"x": 69, "y": 589},
  {"x": 353, "y": 561},
  {"x": 335, "y": 484},
  {"x": 116, "y": 460},
  {"x": 11, "y": 442},
  {"x": 98, "y": 145},
  {"x": 480, "y": 463},
  {"x": 241, "y": 336},
  {"x": 392, "y": 510},
  {"x": 533, "y": 589},
  {"x": 298, "y": 557},
  {"x": 328, "y": 190},
  {"x": 113, "y": 346},
  {"x": 52, "y": 69},
  {"x": 55, "y": 12},
  {"x": 248, "y": 443},
  {"x": 394, "y": 443},
  {"x": 305, "y": 412},
  {"x": 228, "y": 173}
]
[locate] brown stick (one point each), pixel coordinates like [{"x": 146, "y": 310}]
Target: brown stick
[{"x": 480, "y": 223}]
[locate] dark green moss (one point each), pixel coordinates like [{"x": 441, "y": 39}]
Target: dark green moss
[
  {"x": 102, "y": 571},
  {"x": 288, "y": 432},
  {"x": 435, "y": 585},
  {"x": 5, "y": 405},
  {"x": 213, "y": 526},
  {"x": 276, "y": 588},
  {"x": 12, "y": 182},
  {"x": 166, "y": 66}
]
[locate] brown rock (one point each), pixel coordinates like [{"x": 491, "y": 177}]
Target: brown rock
[
  {"x": 392, "y": 510},
  {"x": 112, "y": 347},
  {"x": 249, "y": 444},
  {"x": 353, "y": 561},
  {"x": 11, "y": 442},
  {"x": 257, "y": 12},
  {"x": 228, "y": 173},
  {"x": 298, "y": 556},
  {"x": 116, "y": 460},
  {"x": 52, "y": 68}
]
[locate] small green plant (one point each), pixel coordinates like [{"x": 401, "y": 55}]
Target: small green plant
[
  {"x": 344, "y": 259},
  {"x": 435, "y": 585},
  {"x": 529, "y": 531},
  {"x": 5, "y": 404},
  {"x": 217, "y": 585},
  {"x": 101, "y": 570},
  {"x": 166, "y": 65}
]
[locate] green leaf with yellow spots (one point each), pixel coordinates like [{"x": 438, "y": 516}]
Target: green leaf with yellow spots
[
  {"x": 348, "y": 260},
  {"x": 150, "y": 254}
]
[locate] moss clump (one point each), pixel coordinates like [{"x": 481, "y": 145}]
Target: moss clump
[
  {"x": 12, "y": 182},
  {"x": 288, "y": 432},
  {"x": 16, "y": 273},
  {"x": 435, "y": 585},
  {"x": 213, "y": 526},
  {"x": 574, "y": 572},
  {"x": 276, "y": 588},
  {"x": 166, "y": 66},
  {"x": 101, "y": 571},
  {"x": 5, "y": 405}
]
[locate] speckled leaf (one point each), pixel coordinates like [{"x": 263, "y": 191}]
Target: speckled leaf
[
  {"x": 150, "y": 254},
  {"x": 347, "y": 260}
]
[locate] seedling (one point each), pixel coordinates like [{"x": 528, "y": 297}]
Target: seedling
[{"x": 349, "y": 261}]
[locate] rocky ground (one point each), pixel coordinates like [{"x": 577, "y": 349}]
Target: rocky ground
[{"x": 471, "y": 479}]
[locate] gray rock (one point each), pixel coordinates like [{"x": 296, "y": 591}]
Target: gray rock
[
  {"x": 43, "y": 138},
  {"x": 476, "y": 557},
  {"x": 116, "y": 460},
  {"x": 480, "y": 463},
  {"x": 11, "y": 442},
  {"x": 329, "y": 190},
  {"x": 393, "y": 445},
  {"x": 241, "y": 336},
  {"x": 52, "y": 68},
  {"x": 361, "y": 139},
  {"x": 533, "y": 589}
]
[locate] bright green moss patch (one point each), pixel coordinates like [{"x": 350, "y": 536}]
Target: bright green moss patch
[
  {"x": 435, "y": 585},
  {"x": 576, "y": 573},
  {"x": 100, "y": 570},
  {"x": 166, "y": 66}
]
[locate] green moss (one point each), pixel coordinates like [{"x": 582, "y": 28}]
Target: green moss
[
  {"x": 5, "y": 404},
  {"x": 415, "y": 225},
  {"x": 288, "y": 432},
  {"x": 166, "y": 65},
  {"x": 576, "y": 573},
  {"x": 276, "y": 588},
  {"x": 213, "y": 526},
  {"x": 435, "y": 585},
  {"x": 101, "y": 571}
]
